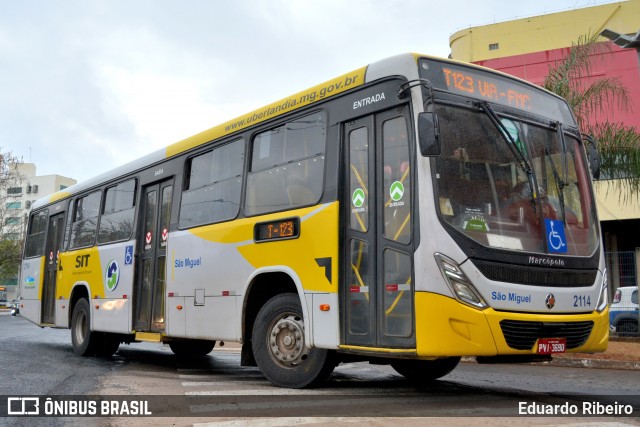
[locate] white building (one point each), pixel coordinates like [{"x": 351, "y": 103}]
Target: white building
[{"x": 17, "y": 203}]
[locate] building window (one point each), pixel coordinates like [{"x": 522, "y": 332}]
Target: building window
[
  {"x": 12, "y": 220},
  {"x": 494, "y": 46},
  {"x": 13, "y": 191},
  {"x": 14, "y": 205}
]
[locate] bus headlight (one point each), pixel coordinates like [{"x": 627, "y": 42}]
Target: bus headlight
[
  {"x": 603, "y": 300},
  {"x": 458, "y": 282}
]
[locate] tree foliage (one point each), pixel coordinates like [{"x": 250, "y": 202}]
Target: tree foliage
[
  {"x": 11, "y": 216},
  {"x": 594, "y": 102}
]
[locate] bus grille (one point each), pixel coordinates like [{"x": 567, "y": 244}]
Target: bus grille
[
  {"x": 522, "y": 335},
  {"x": 536, "y": 276}
]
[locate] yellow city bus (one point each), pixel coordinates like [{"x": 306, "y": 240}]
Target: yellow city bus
[{"x": 409, "y": 212}]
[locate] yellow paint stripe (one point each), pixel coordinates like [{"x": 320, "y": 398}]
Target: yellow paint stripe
[
  {"x": 58, "y": 196},
  {"x": 148, "y": 336},
  {"x": 317, "y": 93}
]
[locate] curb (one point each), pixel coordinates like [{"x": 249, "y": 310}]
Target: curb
[
  {"x": 578, "y": 362},
  {"x": 595, "y": 363}
]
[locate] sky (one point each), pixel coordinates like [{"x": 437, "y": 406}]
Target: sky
[{"x": 88, "y": 85}]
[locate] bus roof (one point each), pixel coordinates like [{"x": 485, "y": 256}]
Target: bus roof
[{"x": 399, "y": 65}]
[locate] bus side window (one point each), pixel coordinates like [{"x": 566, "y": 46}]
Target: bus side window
[
  {"x": 85, "y": 220},
  {"x": 212, "y": 191},
  {"x": 287, "y": 166},
  {"x": 35, "y": 237},
  {"x": 118, "y": 212},
  {"x": 397, "y": 180}
]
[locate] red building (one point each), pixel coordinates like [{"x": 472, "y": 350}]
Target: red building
[{"x": 529, "y": 47}]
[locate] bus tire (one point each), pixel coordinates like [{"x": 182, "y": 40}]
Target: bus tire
[
  {"x": 107, "y": 345},
  {"x": 194, "y": 348},
  {"x": 279, "y": 347},
  {"x": 84, "y": 340},
  {"x": 419, "y": 371}
]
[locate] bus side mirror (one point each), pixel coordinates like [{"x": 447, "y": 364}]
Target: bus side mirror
[{"x": 429, "y": 134}]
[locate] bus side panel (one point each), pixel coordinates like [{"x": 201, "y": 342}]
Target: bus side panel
[
  {"x": 112, "y": 313},
  {"x": 31, "y": 280},
  {"x": 313, "y": 258},
  {"x": 326, "y": 324},
  {"x": 109, "y": 272},
  {"x": 175, "y": 323},
  {"x": 205, "y": 272},
  {"x": 62, "y": 313},
  {"x": 212, "y": 319},
  {"x": 210, "y": 267}
]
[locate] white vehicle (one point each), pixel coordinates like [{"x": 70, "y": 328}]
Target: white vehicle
[{"x": 624, "y": 312}]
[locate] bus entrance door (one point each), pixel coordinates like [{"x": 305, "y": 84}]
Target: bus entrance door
[
  {"x": 377, "y": 287},
  {"x": 54, "y": 242},
  {"x": 150, "y": 286}
]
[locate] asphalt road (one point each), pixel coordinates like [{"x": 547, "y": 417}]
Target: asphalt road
[{"x": 39, "y": 362}]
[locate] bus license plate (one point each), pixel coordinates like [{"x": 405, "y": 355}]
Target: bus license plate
[{"x": 552, "y": 345}]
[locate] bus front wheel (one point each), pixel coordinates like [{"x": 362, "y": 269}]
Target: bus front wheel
[
  {"x": 419, "y": 371},
  {"x": 279, "y": 346},
  {"x": 84, "y": 340}
]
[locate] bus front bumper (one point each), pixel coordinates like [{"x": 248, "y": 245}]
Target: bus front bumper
[{"x": 446, "y": 327}]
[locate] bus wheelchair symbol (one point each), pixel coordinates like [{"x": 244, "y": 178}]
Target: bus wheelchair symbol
[{"x": 556, "y": 239}]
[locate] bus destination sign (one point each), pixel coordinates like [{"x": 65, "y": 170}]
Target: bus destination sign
[
  {"x": 496, "y": 88},
  {"x": 480, "y": 86}
]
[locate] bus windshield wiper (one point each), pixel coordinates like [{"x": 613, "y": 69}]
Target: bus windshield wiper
[
  {"x": 560, "y": 182},
  {"x": 518, "y": 155}
]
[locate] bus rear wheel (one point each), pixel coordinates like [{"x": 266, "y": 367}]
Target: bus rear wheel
[
  {"x": 419, "y": 371},
  {"x": 194, "y": 348},
  {"x": 279, "y": 347},
  {"x": 84, "y": 340}
]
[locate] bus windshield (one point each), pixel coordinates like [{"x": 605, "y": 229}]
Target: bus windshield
[{"x": 484, "y": 192}]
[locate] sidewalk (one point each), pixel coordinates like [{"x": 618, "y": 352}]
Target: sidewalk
[{"x": 622, "y": 353}]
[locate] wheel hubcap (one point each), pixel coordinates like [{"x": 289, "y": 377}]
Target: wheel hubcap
[{"x": 286, "y": 341}]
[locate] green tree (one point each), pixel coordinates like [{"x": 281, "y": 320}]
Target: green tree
[
  {"x": 11, "y": 217},
  {"x": 618, "y": 144}
]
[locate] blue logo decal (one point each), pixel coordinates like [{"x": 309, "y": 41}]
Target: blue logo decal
[
  {"x": 128, "y": 255},
  {"x": 30, "y": 282},
  {"x": 556, "y": 239},
  {"x": 112, "y": 275}
]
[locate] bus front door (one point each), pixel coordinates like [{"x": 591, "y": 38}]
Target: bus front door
[
  {"x": 54, "y": 242},
  {"x": 152, "y": 254},
  {"x": 377, "y": 286}
]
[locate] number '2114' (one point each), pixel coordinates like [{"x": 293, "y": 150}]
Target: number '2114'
[{"x": 581, "y": 300}]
